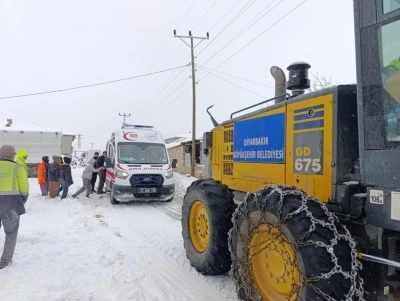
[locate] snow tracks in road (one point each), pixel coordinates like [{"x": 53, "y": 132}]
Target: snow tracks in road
[{"x": 87, "y": 249}]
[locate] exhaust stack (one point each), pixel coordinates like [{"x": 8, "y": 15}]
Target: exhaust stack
[
  {"x": 298, "y": 78},
  {"x": 280, "y": 83},
  {"x": 215, "y": 123}
]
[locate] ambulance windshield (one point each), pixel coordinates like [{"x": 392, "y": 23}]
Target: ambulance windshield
[{"x": 142, "y": 153}]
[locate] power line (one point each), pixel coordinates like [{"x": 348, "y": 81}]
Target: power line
[
  {"x": 223, "y": 17},
  {"x": 205, "y": 14},
  {"x": 249, "y": 25},
  {"x": 236, "y": 85},
  {"x": 151, "y": 69},
  {"x": 235, "y": 17},
  {"x": 151, "y": 101},
  {"x": 179, "y": 86},
  {"x": 257, "y": 37},
  {"x": 234, "y": 76},
  {"x": 170, "y": 38},
  {"x": 163, "y": 49},
  {"x": 93, "y": 85},
  {"x": 176, "y": 97},
  {"x": 154, "y": 108},
  {"x": 165, "y": 85},
  {"x": 187, "y": 12}
]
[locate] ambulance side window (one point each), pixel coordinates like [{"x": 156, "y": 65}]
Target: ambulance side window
[
  {"x": 110, "y": 152},
  {"x": 112, "y": 156}
]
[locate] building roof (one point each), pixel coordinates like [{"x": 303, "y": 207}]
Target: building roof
[
  {"x": 29, "y": 127},
  {"x": 178, "y": 140}
]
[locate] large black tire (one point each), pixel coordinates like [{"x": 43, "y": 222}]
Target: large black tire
[
  {"x": 218, "y": 207},
  {"x": 323, "y": 251}
]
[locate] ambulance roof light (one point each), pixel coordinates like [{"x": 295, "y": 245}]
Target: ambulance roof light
[{"x": 136, "y": 126}]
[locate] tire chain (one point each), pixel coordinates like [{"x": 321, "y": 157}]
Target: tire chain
[{"x": 356, "y": 291}]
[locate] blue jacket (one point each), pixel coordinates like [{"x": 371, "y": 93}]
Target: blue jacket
[{"x": 54, "y": 172}]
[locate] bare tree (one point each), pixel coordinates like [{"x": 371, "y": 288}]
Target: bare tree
[{"x": 320, "y": 81}]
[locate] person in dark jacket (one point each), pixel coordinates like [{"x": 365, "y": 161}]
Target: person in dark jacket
[
  {"x": 94, "y": 175},
  {"x": 54, "y": 177},
  {"x": 66, "y": 177},
  {"x": 102, "y": 173}
]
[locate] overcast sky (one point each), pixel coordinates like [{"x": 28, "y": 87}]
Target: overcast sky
[{"x": 50, "y": 45}]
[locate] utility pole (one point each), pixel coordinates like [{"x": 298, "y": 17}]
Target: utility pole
[
  {"x": 124, "y": 117},
  {"x": 192, "y": 46},
  {"x": 79, "y": 136},
  {"x": 79, "y": 140},
  {"x": 91, "y": 145}
]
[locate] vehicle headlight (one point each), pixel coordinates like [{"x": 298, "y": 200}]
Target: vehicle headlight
[
  {"x": 121, "y": 174},
  {"x": 169, "y": 174}
]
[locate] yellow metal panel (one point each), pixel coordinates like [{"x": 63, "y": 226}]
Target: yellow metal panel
[
  {"x": 309, "y": 146},
  {"x": 216, "y": 153},
  {"x": 252, "y": 176},
  {"x": 249, "y": 176},
  {"x": 308, "y": 152}
]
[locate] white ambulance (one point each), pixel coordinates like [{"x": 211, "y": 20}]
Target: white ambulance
[{"x": 138, "y": 166}]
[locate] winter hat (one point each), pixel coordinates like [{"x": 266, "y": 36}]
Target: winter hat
[
  {"x": 7, "y": 151},
  {"x": 22, "y": 154},
  {"x": 45, "y": 159},
  {"x": 92, "y": 161},
  {"x": 55, "y": 158},
  {"x": 67, "y": 160}
]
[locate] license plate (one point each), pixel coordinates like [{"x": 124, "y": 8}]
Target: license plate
[{"x": 147, "y": 190}]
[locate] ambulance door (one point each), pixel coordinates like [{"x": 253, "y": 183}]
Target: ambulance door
[{"x": 110, "y": 164}]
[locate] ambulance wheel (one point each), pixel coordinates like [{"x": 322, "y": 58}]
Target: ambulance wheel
[
  {"x": 286, "y": 245},
  {"x": 206, "y": 219},
  {"x": 112, "y": 198}
]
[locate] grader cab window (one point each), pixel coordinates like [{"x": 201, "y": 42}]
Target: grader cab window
[
  {"x": 390, "y": 64},
  {"x": 390, "y": 5}
]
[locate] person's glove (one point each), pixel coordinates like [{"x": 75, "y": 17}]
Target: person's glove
[{"x": 25, "y": 198}]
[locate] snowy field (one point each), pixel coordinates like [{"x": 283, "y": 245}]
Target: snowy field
[{"x": 88, "y": 249}]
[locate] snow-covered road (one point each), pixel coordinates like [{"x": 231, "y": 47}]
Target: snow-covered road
[{"x": 88, "y": 249}]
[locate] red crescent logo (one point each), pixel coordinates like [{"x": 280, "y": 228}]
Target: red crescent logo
[{"x": 130, "y": 136}]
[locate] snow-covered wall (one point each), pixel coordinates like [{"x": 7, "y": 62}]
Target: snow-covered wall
[{"x": 38, "y": 144}]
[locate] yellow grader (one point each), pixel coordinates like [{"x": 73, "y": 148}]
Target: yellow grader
[{"x": 303, "y": 200}]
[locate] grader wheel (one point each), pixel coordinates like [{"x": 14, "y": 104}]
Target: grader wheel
[
  {"x": 286, "y": 245},
  {"x": 206, "y": 220}
]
